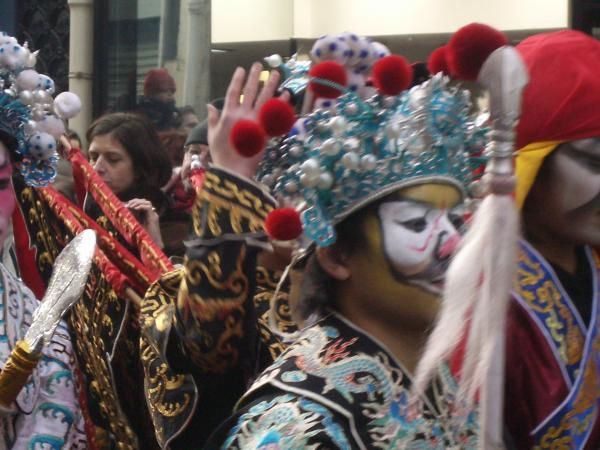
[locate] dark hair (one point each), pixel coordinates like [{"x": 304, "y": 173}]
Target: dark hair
[
  {"x": 72, "y": 134},
  {"x": 173, "y": 142},
  {"x": 318, "y": 289},
  {"x": 138, "y": 137}
]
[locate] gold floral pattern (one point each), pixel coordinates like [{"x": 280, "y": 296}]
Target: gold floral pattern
[
  {"x": 542, "y": 296},
  {"x": 171, "y": 396},
  {"x": 223, "y": 207}
]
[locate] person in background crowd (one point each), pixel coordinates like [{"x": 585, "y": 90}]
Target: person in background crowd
[
  {"x": 188, "y": 119},
  {"x": 173, "y": 141},
  {"x": 158, "y": 101},
  {"x": 126, "y": 152},
  {"x": 64, "y": 182},
  {"x": 179, "y": 187},
  {"x": 196, "y": 144},
  {"x": 74, "y": 139}
]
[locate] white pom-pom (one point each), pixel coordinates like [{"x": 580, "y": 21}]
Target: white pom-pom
[
  {"x": 41, "y": 146},
  {"x": 51, "y": 125},
  {"x": 274, "y": 61},
  {"x": 358, "y": 51},
  {"x": 46, "y": 83},
  {"x": 28, "y": 80},
  {"x": 5, "y": 39},
  {"x": 378, "y": 51},
  {"x": 67, "y": 105},
  {"x": 330, "y": 48},
  {"x": 326, "y": 104},
  {"x": 13, "y": 56},
  {"x": 356, "y": 81}
]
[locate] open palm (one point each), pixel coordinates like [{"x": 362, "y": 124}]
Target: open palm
[{"x": 236, "y": 108}]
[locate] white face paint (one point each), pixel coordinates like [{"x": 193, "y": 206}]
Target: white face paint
[
  {"x": 418, "y": 240},
  {"x": 578, "y": 168},
  {"x": 564, "y": 202}
]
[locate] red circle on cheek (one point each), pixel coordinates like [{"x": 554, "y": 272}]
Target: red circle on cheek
[{"x": 7, "y": 203}]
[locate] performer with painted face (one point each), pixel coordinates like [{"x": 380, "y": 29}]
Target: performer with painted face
[
  {"x": 553, "y": 359},
  {"x": 39, "y": 405},
  {"x": 552, "y": 371},
  {"x": 381, "y": 186}
]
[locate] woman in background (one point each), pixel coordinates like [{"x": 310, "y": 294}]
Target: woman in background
[{"x": 128, "y": 155}]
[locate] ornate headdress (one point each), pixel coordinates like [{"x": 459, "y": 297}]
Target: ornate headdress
[
  {"x": 345, "y": 158},
  {"x": 340, "y": 158},
  {"x": 31, "y": 120}
]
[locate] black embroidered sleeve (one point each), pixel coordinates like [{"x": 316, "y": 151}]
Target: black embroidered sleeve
[{"x": 215, "y": 318}]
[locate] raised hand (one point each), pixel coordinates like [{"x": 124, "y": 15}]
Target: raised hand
[
  {"x": 148, "y": 217},
  {"x": 237, "y": 108}
]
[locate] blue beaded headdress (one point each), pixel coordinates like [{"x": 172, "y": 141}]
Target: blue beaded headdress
[
  {"x": 31, "y": 120},
  {"x": 358, "y": 151}
]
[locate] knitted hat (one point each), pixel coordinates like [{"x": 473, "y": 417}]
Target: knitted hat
[
  {"x": 199, "y": 134},
  {"x": 157, "y": 81}
]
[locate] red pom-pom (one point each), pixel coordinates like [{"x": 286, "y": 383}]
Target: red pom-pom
[
  {"x": 470, "y": 46},
  {"x": 392, "y": 74},
  {"x": 283, "y": 224},
  {"x": 328, "y": 70},
  {"x": 438, "y": 61},
  {"x": 248, "y": 138},
  {"x": 277, "y": 117}
]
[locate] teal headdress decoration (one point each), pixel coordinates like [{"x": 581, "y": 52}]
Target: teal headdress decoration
[
  {"x": 340, "y": 159},
  {"x": 31, "y": 120}
]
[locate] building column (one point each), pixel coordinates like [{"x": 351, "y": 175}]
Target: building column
[
  {"x": 165, "y": 12},
  {"x": 81, "y": 60},
  {"x": 196, "y": 82}
]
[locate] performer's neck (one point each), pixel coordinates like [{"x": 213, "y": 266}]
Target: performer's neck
[
  {"x": 405, "y": 341},
  {"x": 559, "y": 252}
]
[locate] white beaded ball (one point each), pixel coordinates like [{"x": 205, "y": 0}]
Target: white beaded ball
[
  {"x": 42, "y": 146},
  {"x": 328, "y": 48},
  {"x": 5, "y": 39},
  {"x": 46, "y": 83},
  {"x": 13, "y": 56},
  {"x": 28, "y": 80},
  {"x": 325, "y": 104},
  {"x": 356, "y": 81},
  {"x": 274, "y": 60},
  {"x": 378, "y": 51},
  {"x": 358, "y": 51},
  {"x": 51, "y": 125},
  {"x": 67, "y": 105}
]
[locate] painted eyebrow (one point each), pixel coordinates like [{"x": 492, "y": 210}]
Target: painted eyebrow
[
  {"x": 584, "y": 153},
  {"x": 586, "y": 148}
]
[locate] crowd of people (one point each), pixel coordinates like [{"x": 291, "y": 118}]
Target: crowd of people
[{"x": 348, "y": 255}]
